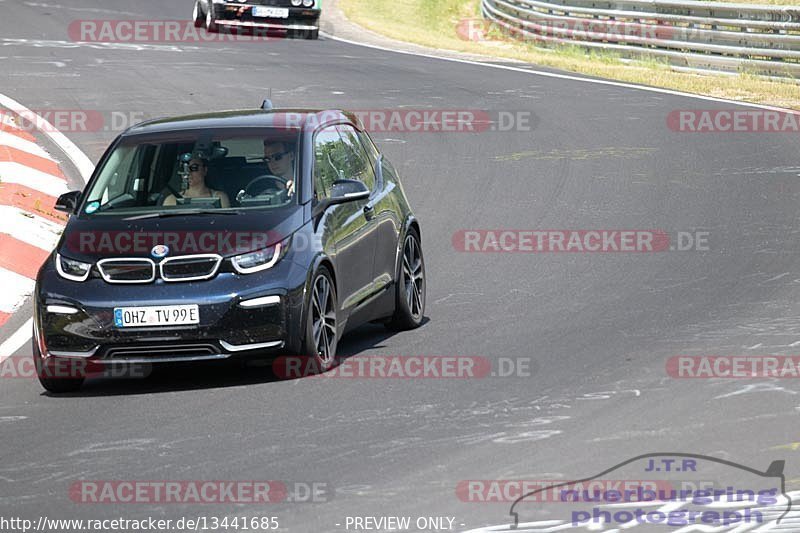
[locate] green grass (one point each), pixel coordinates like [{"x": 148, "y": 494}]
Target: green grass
[{"x": 434, "y": 23}]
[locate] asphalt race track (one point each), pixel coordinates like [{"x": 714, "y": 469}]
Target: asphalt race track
[{"x": 599, "y": 328}]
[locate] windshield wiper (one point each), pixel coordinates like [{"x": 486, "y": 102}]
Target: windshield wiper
[{"x": 166, "y": 214}]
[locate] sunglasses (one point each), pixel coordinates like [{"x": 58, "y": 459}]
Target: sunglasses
[
  {"x": 195, "y": 167},
  {"x": 276, "y": 157}
]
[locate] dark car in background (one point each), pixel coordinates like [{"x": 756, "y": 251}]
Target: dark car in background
[
  {"x": 297, "y": 18},
  {"x": 301, "y": 232}
]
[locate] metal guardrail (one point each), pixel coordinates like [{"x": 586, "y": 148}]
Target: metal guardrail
[{"x": 690, "y": 34}]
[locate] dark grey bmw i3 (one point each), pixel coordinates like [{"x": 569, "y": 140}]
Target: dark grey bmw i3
[{"x": 243, "y": 233}]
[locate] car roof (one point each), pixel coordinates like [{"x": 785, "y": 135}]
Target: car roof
[{"x": 250, "y": 118}]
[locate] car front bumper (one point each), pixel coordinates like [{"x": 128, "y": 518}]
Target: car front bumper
[
  {"x": 259, "y": 313},
  {"x": 233, "y": 15}
]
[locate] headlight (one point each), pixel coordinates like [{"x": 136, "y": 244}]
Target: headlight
[
  {"x": 308, "y": 3},
  {"x": 260, "y": 259},
  {"x": 296, "y": 3},
  {"x": 71, "y": 269}
]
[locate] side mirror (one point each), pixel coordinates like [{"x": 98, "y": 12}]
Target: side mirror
[
  {"x": 349, "y": 190},
  {"x": 67, "y": 202},
  {"x": 343, "y": 191}
]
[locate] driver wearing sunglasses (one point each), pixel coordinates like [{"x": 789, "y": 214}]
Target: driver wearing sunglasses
[{"x": 280, "y": 159}]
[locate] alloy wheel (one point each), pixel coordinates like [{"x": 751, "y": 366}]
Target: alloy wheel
[
  {"x": 323, "y": 308},
  {"x": 413, "y": 276}
]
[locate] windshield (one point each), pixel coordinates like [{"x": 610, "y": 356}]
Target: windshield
[{"x": 196, "y": 170}]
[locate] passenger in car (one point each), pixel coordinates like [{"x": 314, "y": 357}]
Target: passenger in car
[
  {"x": 279, "y": 157},
  {"x": 198, "y": 170}
]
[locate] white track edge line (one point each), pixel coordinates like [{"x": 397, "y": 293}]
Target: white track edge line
[
  {"x": 17, "y": 340},
  {"x": 564, "y": 76},
  {"x": 85, "y": 168},
  {"x": 79, "y": 159}
]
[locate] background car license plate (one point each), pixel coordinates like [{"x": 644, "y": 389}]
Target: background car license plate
[
  {"x": 271, "y": 12},
  {"x": 167, "y": 315}
]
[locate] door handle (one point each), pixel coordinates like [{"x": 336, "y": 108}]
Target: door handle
[{"x": 369, "y": 211}]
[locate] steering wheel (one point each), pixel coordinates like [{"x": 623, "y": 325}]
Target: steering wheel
[{"x": 280, "y": 184}]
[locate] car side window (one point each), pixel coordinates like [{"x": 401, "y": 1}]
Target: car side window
[
  {"x": 338, "y": 154},
  {"x": 328, "y": 148},
  {"x": 359, "y": 166},
  {"x": 112, "y": 185}
]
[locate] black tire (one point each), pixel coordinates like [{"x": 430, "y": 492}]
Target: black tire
[
  {"x": 321, "y": 329},
  {"x": 46, "y": 373},
  {"x": 197, "y": 15},
  {"x": 210, "y": 20},
  {"x": 302, "y": 34},
  {"x": 409, "y": 307}
]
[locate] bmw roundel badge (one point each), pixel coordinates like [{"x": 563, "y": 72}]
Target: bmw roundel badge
[{"x": 159, "y": 251}]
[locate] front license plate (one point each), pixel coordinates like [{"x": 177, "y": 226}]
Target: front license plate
[
  {"x": 166, "y": 315},
  {"x": 271, "y": 12}
]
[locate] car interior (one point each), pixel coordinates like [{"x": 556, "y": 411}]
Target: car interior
[{"x": 239, "y": 170}]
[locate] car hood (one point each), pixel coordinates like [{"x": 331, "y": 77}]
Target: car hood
[{"x": 92, "y": 238}]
